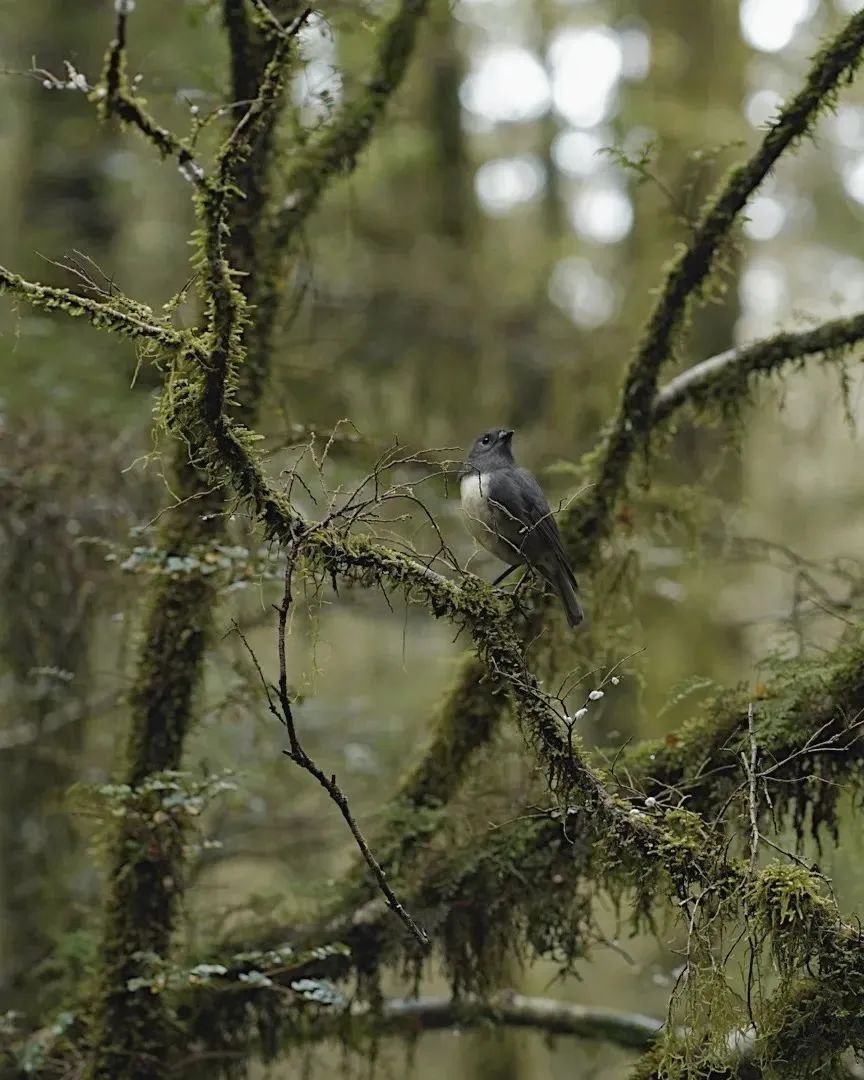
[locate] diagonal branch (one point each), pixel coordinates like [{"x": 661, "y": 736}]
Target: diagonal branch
[
  {"x": 116, "y": 99},
  {"x": 282, "y": 708},
  {"x": 335, "y": 151},
  {"x": 590, "y": 522}
]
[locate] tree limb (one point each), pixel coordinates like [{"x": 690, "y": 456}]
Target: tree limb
[
  {"x": 508, "y": 1009},
  {"x": 334, "y": 152},
  {"x": 590, "y": 522},
  {"x": 98, "y": 313},
  {"x": 723, "y": 376}
]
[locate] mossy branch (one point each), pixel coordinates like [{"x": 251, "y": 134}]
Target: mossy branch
[
  {"x": 474, "y": 605},
  {"x": 720, "y": 378},
  {"x": 642, "y": 407},
  {"x": 334, "y": 152},
  {"x": 677, "y": 845},
  {"x": 590, "y": 522},
  {"x": 146, "y": 880},
  {"x": 115, "y": 98},
  {"x": 806, "y": 730},
  {"x": 469, "y": 715},
  {"x": 237, "y": 203},
  {"x": 102, "y": 315},
  {"x": 523, "y": 886}
]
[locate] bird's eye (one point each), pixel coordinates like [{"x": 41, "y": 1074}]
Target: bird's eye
[{"x": 485, "y": 440}]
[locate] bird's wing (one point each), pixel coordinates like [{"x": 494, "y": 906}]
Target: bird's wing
[{"x": 525, "y": 500}]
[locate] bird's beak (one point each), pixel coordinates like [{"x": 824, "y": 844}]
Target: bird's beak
[{"x": 507, "y": 435}]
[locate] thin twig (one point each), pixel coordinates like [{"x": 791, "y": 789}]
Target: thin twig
[
  {"x": 299, "y": 756},
  {"x": 753, "y": 781}
]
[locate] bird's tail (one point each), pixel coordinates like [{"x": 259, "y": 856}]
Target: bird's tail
[{"x": 564, "y": 584}]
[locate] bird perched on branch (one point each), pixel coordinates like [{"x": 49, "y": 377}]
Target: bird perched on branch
[{"x": 506, "y": 511}]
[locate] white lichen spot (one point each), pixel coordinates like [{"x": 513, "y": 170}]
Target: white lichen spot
[
  {"x": 190, "y": 170},
  {"x": 124, "y": 7}
]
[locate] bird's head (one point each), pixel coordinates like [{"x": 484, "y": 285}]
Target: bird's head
[{"x": 491, "y": 450}]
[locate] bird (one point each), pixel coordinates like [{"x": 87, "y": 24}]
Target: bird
[{"x": 506, "y": 511}]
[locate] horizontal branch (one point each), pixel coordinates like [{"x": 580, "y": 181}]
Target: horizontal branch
[
  {"x": 408, "y": 1017},
  {"x": 722, "y": 377},
  {"x": 102, "y": 315},
  {"x": 412, "y": 1015}
]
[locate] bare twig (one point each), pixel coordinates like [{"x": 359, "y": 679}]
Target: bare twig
[{"x": 299, "y": 756}]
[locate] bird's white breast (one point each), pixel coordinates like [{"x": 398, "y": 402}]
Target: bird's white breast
[
  {"x": 474, "y": 489},
  {"x": 480, "y": 519}
]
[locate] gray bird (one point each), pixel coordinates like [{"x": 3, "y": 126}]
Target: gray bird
[{"x": 506, "y": 511}]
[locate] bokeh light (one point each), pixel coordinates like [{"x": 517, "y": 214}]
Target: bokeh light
[
  {"x": 577, "y": 153},
  {"x": 602, "y": 212},
  {"x": 507, "y": 84},
  {"x": 581, "y": 292},
  {"x": 769, "y": 25},
  {"x": 505, "y": 183},
  {"x": 586, "y": 66}
]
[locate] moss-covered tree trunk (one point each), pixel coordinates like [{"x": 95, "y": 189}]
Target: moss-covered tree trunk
[
  {"x": 132, "y": 1033},
  {"x": 132, "y": 1036}
]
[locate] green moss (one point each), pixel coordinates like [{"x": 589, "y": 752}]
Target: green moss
[
  {"x": 800, "y": 721},
  {"x": 495, "y": 898},
  {"x": 687, "y": 277}
]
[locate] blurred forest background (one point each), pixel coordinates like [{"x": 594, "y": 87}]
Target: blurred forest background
[{"x": 486, "y": 263}]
